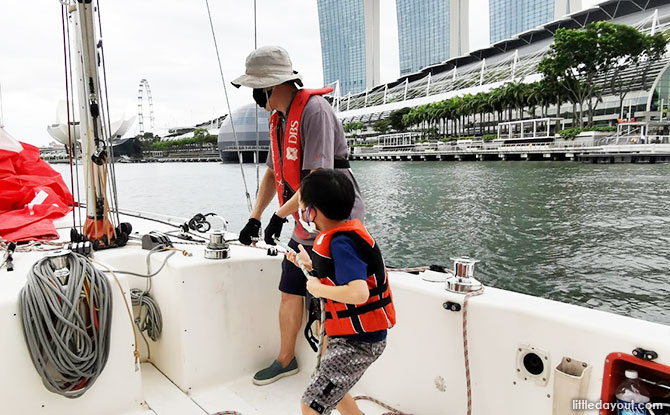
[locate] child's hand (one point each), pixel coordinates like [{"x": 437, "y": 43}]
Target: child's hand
[
  {"x": 304, "y": 256},
  {"x": 313, "y": 286},
  {"x": 290, "y": 255}
]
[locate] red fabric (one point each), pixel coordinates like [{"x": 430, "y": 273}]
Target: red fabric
[
  {"x": 23, "y": 175},
  {"x": 287, "y": 160}
]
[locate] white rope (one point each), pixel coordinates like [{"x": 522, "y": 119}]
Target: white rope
[
  {"x": 465, "y": 347},
  {"x": 230, "y": 112},
  {"x": 392, "y": 410},
  {"x": 410, "y": 269}
]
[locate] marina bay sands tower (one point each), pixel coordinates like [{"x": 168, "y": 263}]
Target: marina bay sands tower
[
  {"x": 510, "y": 17},
  {"x": 350, "y": 43},
  {"x": 429, "y": 32}
]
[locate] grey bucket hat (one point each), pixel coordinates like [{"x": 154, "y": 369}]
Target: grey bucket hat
[{"x": 267, "y": 66}]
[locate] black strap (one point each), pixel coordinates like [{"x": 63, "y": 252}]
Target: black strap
[
  {"x": 362, "y": 309},
  {"x": 379, "y": 290},
  {"x": 314, "y": 314},
  {"x": 341, "y": 164}
]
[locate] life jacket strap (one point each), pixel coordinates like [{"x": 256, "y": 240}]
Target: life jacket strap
[
  {"x": 362, "y": 309},
  {"x": 313, "y": 315},
  {"x": 379, "y": 290}
]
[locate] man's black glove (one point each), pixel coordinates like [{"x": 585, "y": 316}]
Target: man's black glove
[
  {"x": 273, "y": 230},
  {"x": 251, "y": 230}
]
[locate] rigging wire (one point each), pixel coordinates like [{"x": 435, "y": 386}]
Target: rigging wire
[
  {"x": 114, "y": 196},
  {"x": 67, "y": 106},
  {"x": 104, "y": 172},
  {"x": 257, "y": 155},
  {"x": 70, "y": 128},
  {"x": 230, "y": 113}
]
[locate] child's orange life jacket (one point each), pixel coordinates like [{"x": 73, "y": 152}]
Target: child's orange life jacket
[{"x": 377, "y": 313}]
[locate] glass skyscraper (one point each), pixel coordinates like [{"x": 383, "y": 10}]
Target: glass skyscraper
[
  {"x": 348, "y": 46},
  {"x": 510, "y": 17},
  {"x": 430, "y": 31}
]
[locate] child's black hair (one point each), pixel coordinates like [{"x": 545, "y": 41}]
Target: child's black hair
[{"x": 330, "y": 191}]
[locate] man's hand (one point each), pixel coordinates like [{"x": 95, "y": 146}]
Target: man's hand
[
  {"x": 251, "y": 230},
  {"x": 273, "y": 230}
]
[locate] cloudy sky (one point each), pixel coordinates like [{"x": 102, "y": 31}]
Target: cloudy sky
[{"x": 169, "y": 43}]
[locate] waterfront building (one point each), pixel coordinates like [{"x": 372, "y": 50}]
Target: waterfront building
[
  {"x": 246, "y": 131},
  {"x": 516, "y": 59},
  {"x": 510, "y": 17},
  {"x": 430, "y": 32},
  {"x": 350, "y": 43}
]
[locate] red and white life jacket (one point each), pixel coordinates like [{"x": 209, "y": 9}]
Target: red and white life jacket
[
  {"x": 378, "y": 312},
  {"x": 287, "y": 150}
]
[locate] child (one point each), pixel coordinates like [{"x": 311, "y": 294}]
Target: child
[{"x": 350, "y": 275}]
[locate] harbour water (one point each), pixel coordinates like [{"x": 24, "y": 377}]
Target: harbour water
[{"x": 586, "y": 234}]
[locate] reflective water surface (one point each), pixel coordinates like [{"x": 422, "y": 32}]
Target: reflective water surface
[{"x": 593, "y": 235}]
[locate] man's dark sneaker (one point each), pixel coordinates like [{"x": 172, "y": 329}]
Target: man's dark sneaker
[{"x": 275, "y": 372}]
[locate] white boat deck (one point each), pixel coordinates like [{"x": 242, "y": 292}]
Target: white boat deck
[
  {"x": 239, "y": 395},
  {"x": 220, "y": 326}
]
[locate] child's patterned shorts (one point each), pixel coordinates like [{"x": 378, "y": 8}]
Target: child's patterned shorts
[{"x": 342, "y": 366}]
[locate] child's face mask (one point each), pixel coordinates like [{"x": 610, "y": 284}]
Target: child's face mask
[{"x": 307, "y": 223}]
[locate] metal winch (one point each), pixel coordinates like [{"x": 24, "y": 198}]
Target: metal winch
[
  {"x": 217, "y": 248},
  {"x": 463, "y": 280},
  {"x": 58, "y": 260}
]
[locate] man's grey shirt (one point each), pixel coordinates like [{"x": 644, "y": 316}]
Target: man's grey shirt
[{"x": 322, "y": 141}]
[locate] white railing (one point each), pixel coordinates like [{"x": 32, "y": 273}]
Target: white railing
[{"x": 398, "y": 139}]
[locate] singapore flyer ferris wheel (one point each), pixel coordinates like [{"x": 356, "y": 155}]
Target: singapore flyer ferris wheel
[{"x": 144, "y": 88}]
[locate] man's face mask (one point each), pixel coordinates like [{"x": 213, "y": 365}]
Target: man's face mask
[{"x": 261, "y": 96}]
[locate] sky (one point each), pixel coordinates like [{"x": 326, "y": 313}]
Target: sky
[{"x": 170, "y": 44}]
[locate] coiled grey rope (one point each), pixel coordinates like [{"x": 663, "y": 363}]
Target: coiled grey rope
[
  {"x": 67, "y": 327},
  {"x": 149, "y": 321},
  {"x": 152, "y": 320}
]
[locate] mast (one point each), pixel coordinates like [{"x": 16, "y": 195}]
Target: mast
[{"x": 98, "y": 228}]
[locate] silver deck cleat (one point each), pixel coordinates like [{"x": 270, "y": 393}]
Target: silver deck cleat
[{"x": 463, "y": 279}]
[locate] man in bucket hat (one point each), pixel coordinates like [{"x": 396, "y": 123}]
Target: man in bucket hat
[{"x": 305, "y": 135}]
